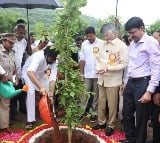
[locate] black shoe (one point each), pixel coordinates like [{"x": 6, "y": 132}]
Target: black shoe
[
  {"x": 98, "y": 126},
  {"x": 109, "y": 131},
  {"x": 93, "y": 119},
  {"x": 29, "y": 126}
]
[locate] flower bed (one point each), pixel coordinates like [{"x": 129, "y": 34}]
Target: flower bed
[{"x": 38, "y": 133}]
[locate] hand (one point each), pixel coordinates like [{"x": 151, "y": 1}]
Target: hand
[
  {"x": 43, "y": 91},
  {"x": 42, "y": 44},
  {"x": 156, "y": 99},
  {"x": 122, "y": 87},
  {"x": 51, "y": 100},
  {"x": 101, "y": 71},
  {"x": 4, "y": 78},
  {"x": 15, "y": 80},
  {"x": 30, "y": 41},
  {"x": 146, "y": 97}
]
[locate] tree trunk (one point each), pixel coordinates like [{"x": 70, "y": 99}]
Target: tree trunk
[
  {"x": 69, "y": 133},
  {"x": 56, "y": 133}
]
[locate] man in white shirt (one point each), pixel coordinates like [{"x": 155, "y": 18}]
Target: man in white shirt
[
  {"x": 32, "y": 71},
  {"x": 19, "y": 48},
  {"x": 88, "y": 66},
  {"x": 32, "y": 40}
]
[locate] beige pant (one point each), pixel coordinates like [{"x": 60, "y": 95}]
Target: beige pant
[
  {"x": 107, "y": 95},
  {"x": 4, "y": 112},
  {"x": 91, "y": 86},
  {"x": 120, "y": 107}
]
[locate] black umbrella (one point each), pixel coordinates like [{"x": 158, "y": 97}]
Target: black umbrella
[{"x": 30, "y": 4}]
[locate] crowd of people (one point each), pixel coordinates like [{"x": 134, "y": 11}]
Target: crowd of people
[
  {"x": 120, "y": 71},
  {"x": 18, "y": 58}
]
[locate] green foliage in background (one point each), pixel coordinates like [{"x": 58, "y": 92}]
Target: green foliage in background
[
  {"x": 109, "y": 19},
  {"x": 153, "y": 27},
  {"x": 44, "y": 19},
  {"x": 7, "y": 21},
  {"x": 38, "y": 29}
]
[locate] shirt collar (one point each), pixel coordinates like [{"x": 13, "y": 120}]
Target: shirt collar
[
  {"x": 3, "y": 49},
  {"x": 93, "y": 42},
  {"x": 142, "y": 40},
  {"x": 112, "y": 41}
]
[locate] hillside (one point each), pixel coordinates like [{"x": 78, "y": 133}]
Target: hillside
[{"x": 47, "y": 16}]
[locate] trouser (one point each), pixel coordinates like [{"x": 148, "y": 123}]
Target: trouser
[
  {"x": 135, "y": 133},
  {"x": 4, "y": 112},
  {"x": 30, "y": 101},
  {"x": 107, "y": 95},
  {"x": 156, "y": 123},
  {"x": 21, "y": 98},
  {"x": 120, "y": 105},
  {"x": 91, "y": 86}
]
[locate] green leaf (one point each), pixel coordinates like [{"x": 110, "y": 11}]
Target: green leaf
[{"x": 72, "y": 94}]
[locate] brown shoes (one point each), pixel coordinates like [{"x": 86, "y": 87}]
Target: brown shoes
[{"x": 98, "y": 126}]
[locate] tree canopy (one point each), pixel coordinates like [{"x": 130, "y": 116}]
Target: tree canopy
[{"x": 7, "y": 21}]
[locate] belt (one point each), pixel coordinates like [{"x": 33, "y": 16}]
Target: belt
[{"x": 137, "y": 79}]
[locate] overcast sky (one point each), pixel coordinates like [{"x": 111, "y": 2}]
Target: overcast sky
[{"x": 148, "y": 10}]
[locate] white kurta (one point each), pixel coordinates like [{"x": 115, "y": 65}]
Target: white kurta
[
  {"x": 36, "y": 63},
  {"x": 19, "y": 48}
]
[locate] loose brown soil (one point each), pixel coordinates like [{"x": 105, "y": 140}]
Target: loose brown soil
[{"x": 77, "y": 137}]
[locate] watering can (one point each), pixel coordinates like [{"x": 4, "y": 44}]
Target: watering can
[
  {"x": 45, "y": 110},
  {"x": 7, "y": 90},
  {"x": 47, "y": 116}
]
